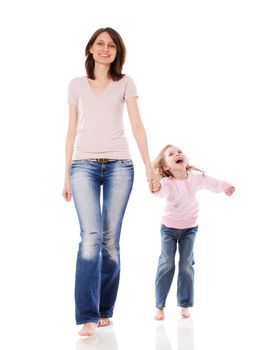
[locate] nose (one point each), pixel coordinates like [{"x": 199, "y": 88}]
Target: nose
[{"x": 106, "y": 47}]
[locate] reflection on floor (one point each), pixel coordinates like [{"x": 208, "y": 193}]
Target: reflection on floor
[
  {"x": 106, "y": 339},
  {"x": 185, "y": 336}
]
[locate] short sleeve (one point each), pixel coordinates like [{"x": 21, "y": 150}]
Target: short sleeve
[
  {"x": 72, "y": 95},
  {"x": 130, "y": 89}
]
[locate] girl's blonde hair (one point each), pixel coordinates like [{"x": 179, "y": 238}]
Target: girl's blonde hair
[{"x": 159, "y": 163}]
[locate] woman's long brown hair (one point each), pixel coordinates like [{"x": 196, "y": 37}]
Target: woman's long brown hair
[{"x": 115, "y": 71}]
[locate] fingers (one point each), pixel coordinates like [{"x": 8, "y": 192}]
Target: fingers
[
  {"x": 150, "y": 183},
  {"x": 230, "y": 190},
  {"x": 154, "y": 184},
  {"x": 67, "y": 196}
]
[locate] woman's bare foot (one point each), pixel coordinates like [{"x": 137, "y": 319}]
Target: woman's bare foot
[
  {"x": 104, "y": 322},
  {"x": 185, "y": 312},
  {"x": 159, "y": 316},
  {"x": 87, "y": 329}
]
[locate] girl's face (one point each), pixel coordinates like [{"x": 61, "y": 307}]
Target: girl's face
[
  {"x": 103, "y": 49},
  {"x": 175, "y": 159}
]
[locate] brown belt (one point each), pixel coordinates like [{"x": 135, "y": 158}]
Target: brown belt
[{"x": 103, "y": 160}]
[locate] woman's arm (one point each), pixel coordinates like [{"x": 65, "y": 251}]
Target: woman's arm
[
  {"x": 70, "y": 141},
  {"x": 139, "y": 133}
]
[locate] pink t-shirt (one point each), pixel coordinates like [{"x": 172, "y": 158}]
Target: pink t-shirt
[
  {"x": 181, "y": 209},
  {"x": 100, "y": 130}
]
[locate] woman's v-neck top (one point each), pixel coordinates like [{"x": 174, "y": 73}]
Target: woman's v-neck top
[{"x": 100, "y": 129}]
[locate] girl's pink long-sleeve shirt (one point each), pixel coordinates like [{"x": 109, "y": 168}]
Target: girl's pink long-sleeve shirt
[{"x": 181, "y": 209}]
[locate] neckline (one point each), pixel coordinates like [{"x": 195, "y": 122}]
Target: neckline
[
  {"x": 102, "y": 92},
  {"x": 176, "y": 179}
]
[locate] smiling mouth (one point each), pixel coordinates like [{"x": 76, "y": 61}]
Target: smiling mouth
[{"x": 104, "y": 55}]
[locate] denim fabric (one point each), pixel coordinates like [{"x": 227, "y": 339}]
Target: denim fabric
[
  {"x": 100, "y": 193},
  {"x": 185, "y": 238}
]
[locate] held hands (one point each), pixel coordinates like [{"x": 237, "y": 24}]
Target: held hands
[
  {"x": 153, "y": 180},
  {"x": 230, "y": 190}
]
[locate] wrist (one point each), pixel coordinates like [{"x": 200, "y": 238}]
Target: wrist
[{"x": 148, "y": 166}]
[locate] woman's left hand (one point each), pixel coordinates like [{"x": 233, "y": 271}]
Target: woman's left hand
[{"x": 153, "y": 180}]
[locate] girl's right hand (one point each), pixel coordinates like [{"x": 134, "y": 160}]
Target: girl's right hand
[{"x": 67, "y": 191}]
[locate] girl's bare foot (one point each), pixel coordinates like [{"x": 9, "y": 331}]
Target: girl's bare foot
[
  {"x": 185, "y": 312},
  {"x": 87, "y": 329},
  {"x": 104, "y": 322},
  {"x": 159, "y": 316}
]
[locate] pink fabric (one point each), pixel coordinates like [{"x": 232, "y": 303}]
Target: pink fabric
[
  {"x": 181, "y": 209},
  {"x": 100, "y": 131}
]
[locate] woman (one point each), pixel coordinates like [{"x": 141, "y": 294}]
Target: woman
[{"x": 97, "y": 156}]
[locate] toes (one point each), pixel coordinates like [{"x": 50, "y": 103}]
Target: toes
[{"x": 104, "y": 322}]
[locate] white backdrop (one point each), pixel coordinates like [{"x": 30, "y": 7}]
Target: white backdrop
[{"x": 195, "y": 64}]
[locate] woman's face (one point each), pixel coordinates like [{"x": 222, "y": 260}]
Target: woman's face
[{"x": 103, "y": 49}]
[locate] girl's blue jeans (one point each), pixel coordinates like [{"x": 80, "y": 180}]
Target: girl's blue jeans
[
  {"x": 100, "y": 193},
  {"x": 170, "y": 238}
]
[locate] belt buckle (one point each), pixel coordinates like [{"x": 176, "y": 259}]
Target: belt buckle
[{"x": 102, "y": 160}]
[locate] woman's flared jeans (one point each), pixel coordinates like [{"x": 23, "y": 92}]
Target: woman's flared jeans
[
  {"x": 100, "y": 193},
  {"x": 170, "y": 238}
]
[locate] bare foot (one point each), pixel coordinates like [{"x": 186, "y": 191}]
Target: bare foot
[
  {"x": 185, "y": 312},
  {"x": 87, "y": 329},
  {"x": 104, "y": 322},
  {"x": 159, "y": 316}
]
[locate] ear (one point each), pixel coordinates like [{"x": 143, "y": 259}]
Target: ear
[{"x": 166, "y": 166}]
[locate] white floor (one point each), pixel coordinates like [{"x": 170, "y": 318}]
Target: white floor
[
  {"x": 202, "y": 332},
  {"x": 174, "y": 334},
  {"x": 160, "y": 335}
]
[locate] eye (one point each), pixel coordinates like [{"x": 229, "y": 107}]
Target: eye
[
  {"x": 100, "y": 43},
  {"x": 112, "y": 46}
]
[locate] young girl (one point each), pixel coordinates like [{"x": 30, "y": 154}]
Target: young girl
[{"x": 179, "y": 224}]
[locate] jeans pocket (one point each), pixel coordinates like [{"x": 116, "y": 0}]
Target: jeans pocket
[
  {"x": 127, "y": 163},
  {"x": 77, "y": 161},
  {"x": 76, "y": 165}
]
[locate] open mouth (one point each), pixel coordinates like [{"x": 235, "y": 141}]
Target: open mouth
[
  {"x": 104, "y": 55},
  {"x": 179, "y": 161}
]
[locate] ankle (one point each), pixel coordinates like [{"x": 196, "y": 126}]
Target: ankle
[
  {"x": 159, "y": 315},
  {"x": 185, "y": 312}
]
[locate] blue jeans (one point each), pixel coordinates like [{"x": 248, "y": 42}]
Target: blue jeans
[
  {"x": 166, "y": 265},
  {"x": 100, "y": 193}
]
